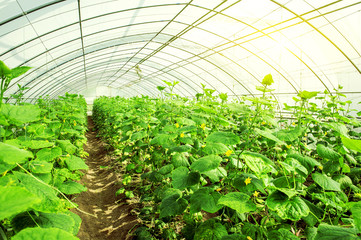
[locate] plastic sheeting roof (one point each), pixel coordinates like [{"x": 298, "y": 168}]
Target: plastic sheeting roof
[{"x": 126, "y": 48}]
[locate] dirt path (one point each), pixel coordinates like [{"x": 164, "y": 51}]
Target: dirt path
[{"x": 113, "y": 218}]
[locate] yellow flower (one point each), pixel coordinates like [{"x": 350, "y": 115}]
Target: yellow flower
[
  {"x": 177, "y": 125},
  {"x": 228, "y": 153},
  {"x": 289, "y": 146},
  {"x": 203, "y": 126},
  {"x": 203, "y": 146},
  {"x": 68, "y": 155},
  {"x": 250, "y": 119},
  {"x": 293, "y": 124},
  {"x": 263, "y": 123},
  {"x": 148, "y": 126},
  {"x": 74, "y": 124},
  {"x": 325, "y": 133},
  {"x": 218, "y": 189},
  {"x": 320, "y": 167},
  {"x": 248, "y": 181},
  {"x": 256, "y": 194},
  {"x": 249, "y": 238},
  {"x": 182, "y": 135},
  {"x": 24, "y": 127},
  {"x": 64, "y": 120}
]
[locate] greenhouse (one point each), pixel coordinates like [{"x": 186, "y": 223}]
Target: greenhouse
[{"x": 194, "y": 119}]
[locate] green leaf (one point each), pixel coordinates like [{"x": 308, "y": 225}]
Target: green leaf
[
  {"x": 281, "y": 234},
  {"x": 258, "y": 163},
  {"x": 18, "y": 71},
  {"x": 71, "y": 187},
  {"x": 264, "y": 89},
  {"x": 205, "y": 199},
  {"x": 206, "y": 163},
  {"x": 352, "y": 144},
  {"x": 164, "y": 140},
  {"x": 287, "y": 208},
  {"x": 49, "y": 200},
  {"x": 11, "y": 155},
  {"x": 138, "y": 135},
  {"x": 66, "y": 146},
  {"x": 185, "y": 121},
  {"x": 40, "y": 167},
  {"x": 49, "y": 154},
  {"x": 166, "y": 169},
  {"x": 289, "y": 134},
  {"x": 356, "y": 214},
  {"x": 327, "y": 153},
  {"x": 215, "y": 148},
  {"x": 336, "y": 200},
  {"x": 308, "y": 162},
  {"x": 44, "y": 233},
  {"x": 326, "y": 182},
  {"x": 4, "y": 70},
  {"x": 172, "y": 205},
  {"x": 329, "y": 232},
  {"x": 179, "y": 159},
  {"x": 14, "y": 200},
  {"x": 227, "y": 138},
  {"x": 182, "y": 178},
  {"x": 21, "y": 114},
  {"x": 75, "y": 163},
  {"x": 306, "y": 94},
  {"x": 267, "y": 80},
  {"x": 268, "y": 134},
  {"x": 238, "y": 201},
  {"x": 210, "y": 230},
  {"x": 44, "y": 220},
  {"x": 182, "y": 148},
  {"x": 215, "y": 175},
  {"x": 338, "y": 127}
]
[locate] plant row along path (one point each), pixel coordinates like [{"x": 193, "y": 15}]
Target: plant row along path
[
  {"x": 216, "y": 170},
  {"x": 110, "y": 217},
  {"x": 41, "y": 151}
]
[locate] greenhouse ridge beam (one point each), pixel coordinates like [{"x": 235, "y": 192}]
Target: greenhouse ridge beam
[{"x": 82, "y": 44}]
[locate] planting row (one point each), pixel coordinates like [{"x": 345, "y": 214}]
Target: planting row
[
  {"x": 41, "y": 147},
  {"x": 211, "y": 169}
]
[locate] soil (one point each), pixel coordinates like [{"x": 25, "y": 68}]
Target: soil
[{"x": 111, "y": 216}]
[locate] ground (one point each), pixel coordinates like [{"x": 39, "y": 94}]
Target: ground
[{"x": 109, "y": 215}]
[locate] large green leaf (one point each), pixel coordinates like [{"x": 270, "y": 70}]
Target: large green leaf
[
  {"x": 238, "y": 201},
  {"x": 327, "y": 153},
  {"x": 66, "y": 146},
  {"x": 37, "y": 144},
  {"x": 172, "y": 205},
  {"x": 138, "y": 135},
  {"x": 18, "y": 71},
  {"x": 308, "y": 162},
  {"x": 281, "y": 234},
  {"x": 183, "y": 178},
  {"x": 329, "y": 232},
  {"x": 215, "y": 175},
  {"x": 352, "y": 144},
  {"x": 326, "y": 182},
  {"x": 14, "y": 200},
  {"x": 44, "y": 234},
  {"x": 227, "y": 138},
  {"x": 49, "y": 154},
  {"x": 20, "y": 114},
  {"x": 268, "y": 134},
  {"x": 44, "y": 220},
  {"x": 164, "y": 140},
  {"x": 182, "y": 148},
  {"x": 336, "y": 200},
  {"x": 215, "y": 148},
  {"x": 11, "y": 155},
  {"x": 179, "y": 159},
  {"x": 306, "y": 94},
  {"x": 206, "y": 163},
  {"x": 356, "y": 214},
  {"x": 49, "y": 200},
  {"x": 340, "y": 128},
  {"x": 287, "y": 208},
  {"x": 289, "y": 134},
  {"x": 258, "y": 163},
  {"x": 40, "y": 167},
  {"x": 205, "y": 199},
  {"x": 71, "y": 187},
  {"x": 210, "y": 230},
  {"x": 75, "y": 163}
]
